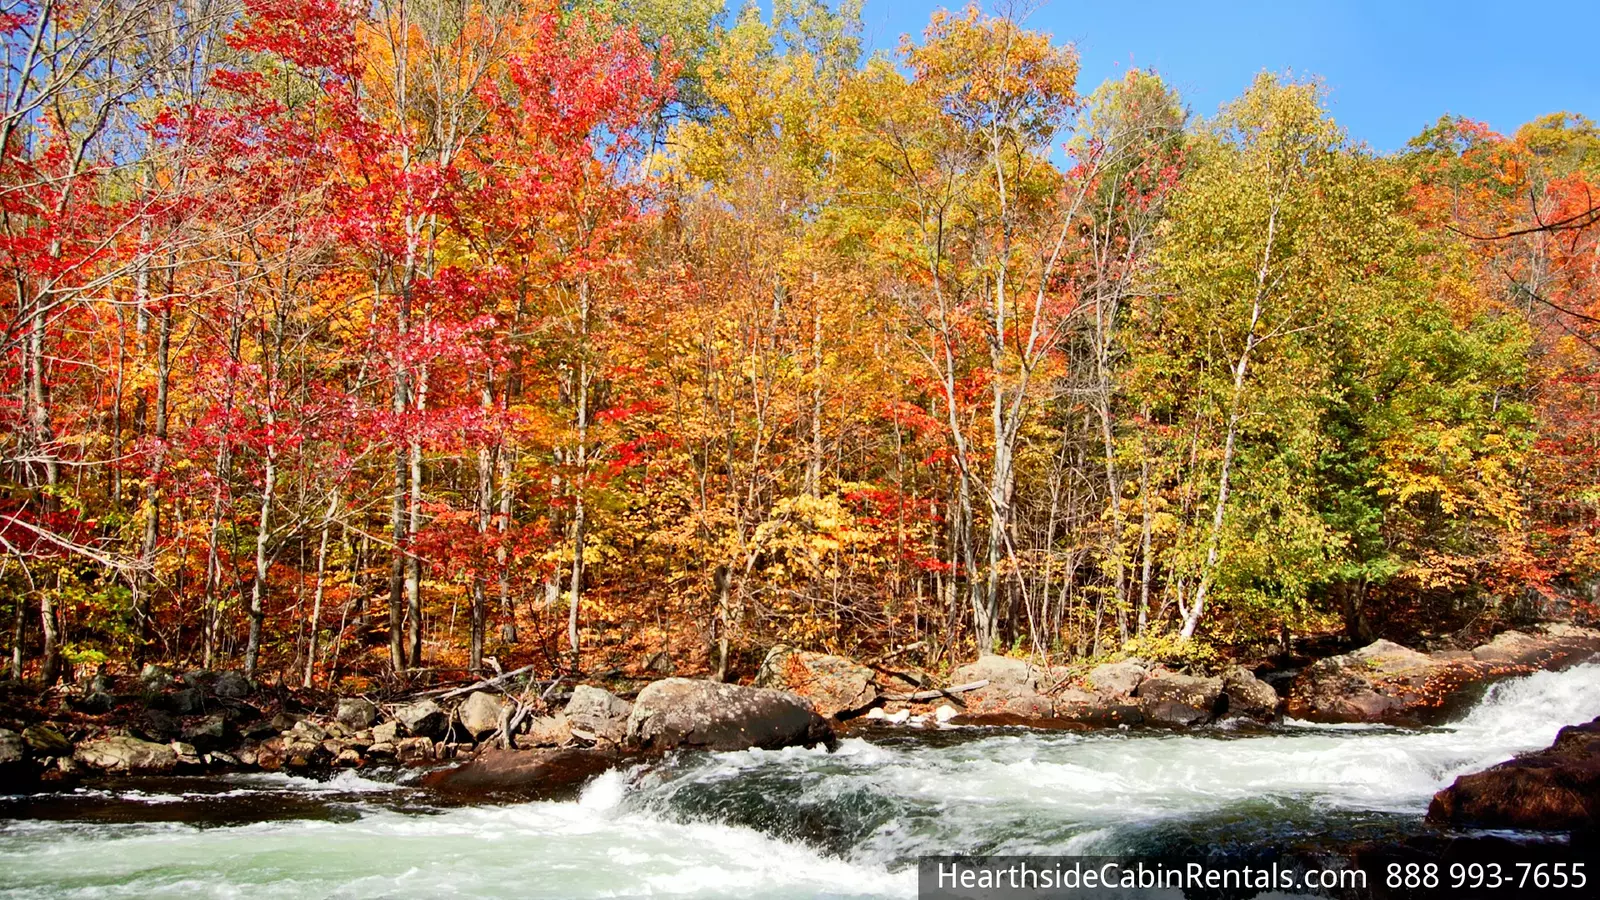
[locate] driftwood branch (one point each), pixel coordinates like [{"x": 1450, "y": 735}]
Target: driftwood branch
[
  {"x": 447, "y": 693},
  {"x": 936, "y": 693}
]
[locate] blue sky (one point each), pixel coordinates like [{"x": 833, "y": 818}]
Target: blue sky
[{"x": 1390, "y": 68}]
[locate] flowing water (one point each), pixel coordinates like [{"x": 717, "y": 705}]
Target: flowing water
[{"x": 792, "y": 823}]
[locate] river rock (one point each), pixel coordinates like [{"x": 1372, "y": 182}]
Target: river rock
[
  {"x": 679, "y": 712},
  {"x": 1200, "y": 693},
  {"x": 232, "y": 686},
  {"x": 1166, "y": 711},
  {"x": 1557, "y": 789},
  {"x": 835, "y": 686},
  {"x": 523, "y": 774},
  {"x": 549, "y": 731},
  {"x": 413, "y": 749},
  {"x": 46, "y": 741},
  {"x": 480, "y": 713},
  {"x": 998, "y": 670},
  {"x": 1248, "y": 696},
  {"x": 386, "y": 733},
  {"x": 1386, "y": 682},
  {"x": 599, "y": 713},
  {"x": 126, "y": 755},
  {"x": 357, "y": 712},
  {"x": 1101, "y": 713},
  {"x": 1116, "y": 680},
  {"x": 1013, "y": 699},
  {"x": 423, "y": 718}
]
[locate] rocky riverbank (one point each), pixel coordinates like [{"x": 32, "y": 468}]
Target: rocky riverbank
[{"x": 544, "y": 744}]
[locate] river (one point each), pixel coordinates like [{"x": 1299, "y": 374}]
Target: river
[{"x": 794, "y": 823}]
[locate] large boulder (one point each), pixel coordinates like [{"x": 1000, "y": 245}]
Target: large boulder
[
  {"x": 13, "y": 750},
  {"x": 480, "y": 713},
  {"x": 357, "y": 712},
  {"x": 1382, "y": 682},
  {"x": 834, "y": 685},
  {"x": 678, "y": 712},
  {"x": 1200, "y": 693},
  {"x": 423, "y": 718},
  {"x": 1007, "y": 700},
  {"x": 998, "y": 670},
  {"x": 598, "y": 712},
  {"x": 1557, "y": 789},
  {"x": 126, "y": 755},
  {"x": 1116, "y": 680},
  {"x": 1248, "y": 696},
  {"x": 1385, "y": 682},
  {"x": 232, "y": 686},
  {"x": 549, "y": 731},
  {"x": 46, "y": 741},
  {"x": 522, "y": 774}
]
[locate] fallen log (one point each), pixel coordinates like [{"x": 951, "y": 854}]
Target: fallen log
[{"x": 936, "y": 693}]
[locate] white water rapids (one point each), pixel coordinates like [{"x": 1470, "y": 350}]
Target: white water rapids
[{"x": 792, "y": 823}]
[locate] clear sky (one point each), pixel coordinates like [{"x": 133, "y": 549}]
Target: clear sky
[{"x": 1391, "y": 68}]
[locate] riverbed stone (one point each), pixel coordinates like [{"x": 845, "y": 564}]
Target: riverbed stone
[
  {"x": 357, "y": 712},
  {"x": 679, "y": 712},
  {"x": 480, "y": 713},
  {"x": 1556, "y": 789},
  {"x": 599, "y": 713},
  {"x": 124, "y": 754},
  {"x": 386, "y": 733},
  {"x": 1008, "y": 699},
  {"x": 423, "y": 718},
  {"x": 835, "y": 685},
  {"x": 1117, "y": 679}
]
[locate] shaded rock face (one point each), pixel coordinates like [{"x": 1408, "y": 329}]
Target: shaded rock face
[
  {"x": 1557, "y": 789},
  {"x": 480, "y": 713},
  {"x": 126, "y": 754},
  {"x": 679, "y": 713},
  {"x": 598, "y": 712},
  {"x": 523, "y": 774},
  {"x": 835, "y": 686},
  {"x": 357, "y": 712},
  {"x": 424, "y": 718},
  {"x": 1386, "y": 682},
  {"x": 998, "y": 670}
]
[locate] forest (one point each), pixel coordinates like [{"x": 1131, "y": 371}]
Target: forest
[{"x": 369, "y": 342}]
